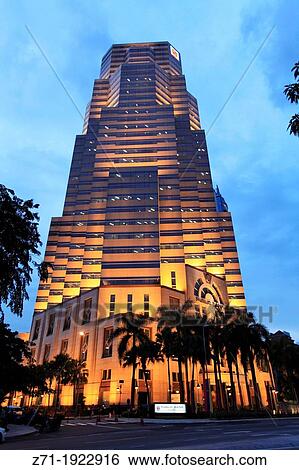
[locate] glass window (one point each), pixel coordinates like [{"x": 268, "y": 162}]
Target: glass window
[
  {"x": 141, "y": 374},
  {"x": 106, "y": 374},
  {"x": 112, "y": 305},
  {"x": 67, "y": 319},
  {"x": 51, "y": 324},
  {"x": 36, "y": 330},
  {"x": 173, "y": 280},
  {"x": 107, "y": 344},
  {"x": 146, "y": 305},
  {"x": 83, "y": 348},
  {"x": 87, "y": 311},
  {"x": 64, "y": 346},
  {"x": 130, "y": 303},
  {"x": 47, "y": 352}
]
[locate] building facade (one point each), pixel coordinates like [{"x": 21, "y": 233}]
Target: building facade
[{"x": 141, "y": 227}]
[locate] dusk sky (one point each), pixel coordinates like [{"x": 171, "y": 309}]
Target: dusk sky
[{"x": 254, "y": 160}]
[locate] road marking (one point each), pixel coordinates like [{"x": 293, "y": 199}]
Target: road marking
[
  {"x": 116, "y": 439},
  {"x": 236, "y": 432}
]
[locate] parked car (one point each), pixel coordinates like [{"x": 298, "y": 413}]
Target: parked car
[
  {"x": 14, "y": 414},
  {"x": 2, "y": 435},
  {"x": 18, "y": 410}
]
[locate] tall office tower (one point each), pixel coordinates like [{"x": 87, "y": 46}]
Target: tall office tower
[
  {"x": 140, "y": 205},
  {"x": 142, "y": 225}
]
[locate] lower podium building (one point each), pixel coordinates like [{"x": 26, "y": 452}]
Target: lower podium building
[{"x": 141, "y": 227}]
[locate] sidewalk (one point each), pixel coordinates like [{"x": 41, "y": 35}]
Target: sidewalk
[
  {"x": 166, "y": 421},
  {"x": 19, "y": 430}
]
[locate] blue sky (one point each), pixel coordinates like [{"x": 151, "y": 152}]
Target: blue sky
[{"x": 253, "y": 159}]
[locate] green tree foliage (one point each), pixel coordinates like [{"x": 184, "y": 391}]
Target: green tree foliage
[
  {"x": 13, "y": 350},
  {"x": 19, "y": 246},
  {"x": 292, "y": 94},
  {"x": 17, "y": 372},
  {"x": 284, "y": 357}
]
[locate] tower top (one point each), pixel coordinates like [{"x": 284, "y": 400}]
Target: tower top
[{"x": 162, "y": 53}]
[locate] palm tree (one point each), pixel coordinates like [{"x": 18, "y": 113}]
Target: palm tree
[
  {"x": 176, "y": 320},
  {"x": 165, "y": 340},
  {"x": 77, "y": 377},
  {"x": 258, "y": 337},
  {"x": 132, "y": 334},
  {"x": 148, "y": 351},
  {"x": 196, "y": 354},
  {"x": 49, "y": 370},
  {"x": 230, "y": 349},
  {"x": 214, "y": 325},
  {"x": 253, "y": 345},
  {"x": 62, "y": 369},
  {"x": 284, "y": 357}
]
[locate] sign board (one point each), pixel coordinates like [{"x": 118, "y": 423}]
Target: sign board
[
  {"x": 174, "y": 53},
  {"x": 172, "y": 408}
]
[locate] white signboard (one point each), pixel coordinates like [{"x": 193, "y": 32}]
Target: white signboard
[
  {"x": 175, "y": 408},
  {"x": 174, "y": 53}
]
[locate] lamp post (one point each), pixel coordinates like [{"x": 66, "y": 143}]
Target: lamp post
[{"x": 119, "y": 390}]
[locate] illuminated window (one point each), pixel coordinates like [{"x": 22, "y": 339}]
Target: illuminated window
[
  {"x": 51, "y": 324},
  {"x": 142, "y": 374},
  {"x": 129, "y": 303},
  {"x": 36, "y": 330},
  {"x": 87, "y": 311},
  {"x": 112, "y": 305},
  {"x": 47, "y": 352},
  {"x": 107, "y": 343},
  {"x": 173, "y": 280},
  {"x": 146, "y": 305},
  {"x": 64, "y": 346},
  {"x": 84, "y": 348},
  {"x": 67, "y": 319},
  {"x": 106, "y": 374}
]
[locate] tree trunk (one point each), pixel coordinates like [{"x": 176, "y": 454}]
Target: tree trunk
[
  {"x": 75, "y": 394},
  {"x": 193, "y": 387},
  {"x": 218, "y": 399},
  {"x": 255, "y": 386},
  {"x": 169, "y": 379},
  {"x": 187, "y": 381},
  {"x": 133, "y": 385},
  {"x": 232, "y": 384},
  {"x": 204, "y": 385},
  {"x": 239, "y": 384},
  {"x": 57, "y": 404},
  {"x": 222, "y": 397},
  {"x": 247, "y": 387},
  {"x": 181, "y": 383},
  {"x": 146, "y": 385}
]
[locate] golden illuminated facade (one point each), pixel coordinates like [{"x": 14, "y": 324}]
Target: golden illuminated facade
[{"x": 142, "y": 225}]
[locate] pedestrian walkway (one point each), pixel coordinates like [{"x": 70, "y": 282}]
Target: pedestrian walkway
[
  {"x": 19, "y": 430},
  {"x": 87, "y": 421}
]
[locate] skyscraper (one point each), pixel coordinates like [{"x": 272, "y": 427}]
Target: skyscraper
[{"x": 142, "y": 225}]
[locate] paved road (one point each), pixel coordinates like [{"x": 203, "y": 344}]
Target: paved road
[{"x": 261, "y": 434}]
